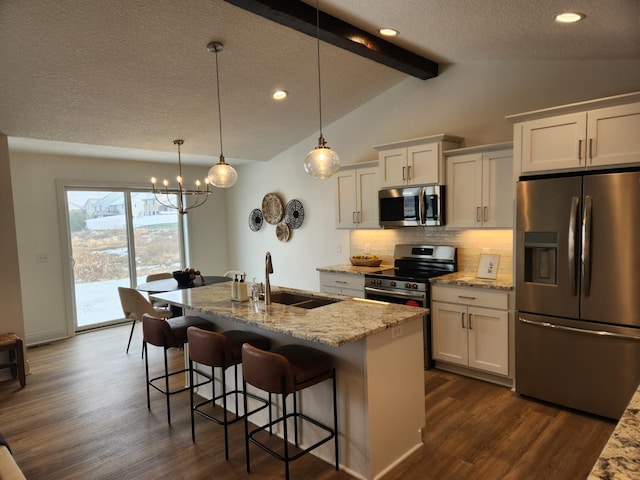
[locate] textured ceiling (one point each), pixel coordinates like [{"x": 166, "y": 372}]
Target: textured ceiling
[{"x": 137, "y": 74}]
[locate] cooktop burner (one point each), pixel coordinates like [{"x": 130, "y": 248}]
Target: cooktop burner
[{"x": 418, "y": 263}]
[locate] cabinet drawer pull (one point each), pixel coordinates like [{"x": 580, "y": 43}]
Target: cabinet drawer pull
[
  {"x": 466, "y": 298},
  {"x": 341, "y": 282}
]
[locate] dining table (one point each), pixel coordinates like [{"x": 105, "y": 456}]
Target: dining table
[{"x": 170, "y": 285}]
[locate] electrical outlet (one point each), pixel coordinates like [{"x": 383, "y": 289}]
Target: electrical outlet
[
  {"x": 367, "y": 249},
  {"x": 396, "y": 331},
  {"x": 338, "y": 247},
  {"x": 42, "y": 258}
]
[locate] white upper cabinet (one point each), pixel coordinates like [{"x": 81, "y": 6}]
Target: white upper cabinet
[
  {"x": 419, "y": 161},
  {"x": 480, "y": 191},
  {"x": 590, "y": 135},
  {"x": 357, "y": 196}
]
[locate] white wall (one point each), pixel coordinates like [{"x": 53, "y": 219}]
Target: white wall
[
  {"x": 469, "y": 100},
  {"x": 38, "y": 229}
]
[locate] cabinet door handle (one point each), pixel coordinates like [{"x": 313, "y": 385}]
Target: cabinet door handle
[
  {"x": 478, "y": 214},
  {"x": 485, "y": 214},
  {"x": 404, "y": 169},
  {"x": 353, "y": 217},
  {"x": 462, "y": 319},
  {"x": 579, "y": 151},
  {"x": 470, "y": 321},
  {"x": 591, "y": 150},
  {"x": 409, "y": 172},
  {"x": 359, "y": 217}
]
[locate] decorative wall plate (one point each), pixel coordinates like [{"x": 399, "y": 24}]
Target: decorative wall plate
[
  {"x": 255, "y": 219},
  {"x": 272, "y": 208},
  {"x": 283, "y": 232},
  {"x": 294, "y": 213}
]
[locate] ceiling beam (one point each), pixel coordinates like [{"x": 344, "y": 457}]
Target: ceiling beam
[{"x": 302, "y": 17}]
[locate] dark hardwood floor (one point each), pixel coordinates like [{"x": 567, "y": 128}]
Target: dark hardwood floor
[{"x": 83, "y": 415}]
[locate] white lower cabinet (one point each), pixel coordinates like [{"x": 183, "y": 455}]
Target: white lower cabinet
[
  {"x": 342, "y": 284},
  {"x": 470, "y": 327}
]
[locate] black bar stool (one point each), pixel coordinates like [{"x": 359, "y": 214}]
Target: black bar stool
[
  {"x": 220, "y": 350},
  {"x": 167, "y": 333},
  {"x": 284, "y": 370}
]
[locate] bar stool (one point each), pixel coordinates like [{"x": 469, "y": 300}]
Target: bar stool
[
  {"x": 167, "y": 333},
  {"x": 221, "y": 350},
  {"x": 10, "y": 342},
  {"x": 284, "y": 370}
]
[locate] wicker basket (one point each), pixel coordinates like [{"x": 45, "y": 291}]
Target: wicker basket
[{"x": 365, "y": 261}]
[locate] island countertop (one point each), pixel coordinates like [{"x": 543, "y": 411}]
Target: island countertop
[{"x": 336, "y": 324}]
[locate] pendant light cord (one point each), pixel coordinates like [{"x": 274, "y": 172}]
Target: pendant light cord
[
  {"x": 318, "y": 55},
  {"x": 219, "y": 105}
]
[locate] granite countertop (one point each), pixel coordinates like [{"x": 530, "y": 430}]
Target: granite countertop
[
  {"x": 620, "y": 458},
  {"x": 353, "y": 269},
  {"x": 469, "y": 279},
  {"x": 336, "y": 324}
]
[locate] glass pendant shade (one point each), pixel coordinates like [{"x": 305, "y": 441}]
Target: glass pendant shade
[
  {"x": 222, "y": 175},
  {"x": 321, "y": 162}
]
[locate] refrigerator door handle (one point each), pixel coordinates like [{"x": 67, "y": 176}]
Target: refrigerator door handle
[
  {"x": 572, "y": 239},
  {"x": 586, "y": 245},
  {"x": 598, "y": 333}
]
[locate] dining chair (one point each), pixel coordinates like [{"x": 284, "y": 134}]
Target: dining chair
[
  {"x": 134, "y": 305},
  {"x": 158, "y": 276}
]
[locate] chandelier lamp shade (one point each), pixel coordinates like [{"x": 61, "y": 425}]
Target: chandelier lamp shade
[
  {"x": 221, "y": 175},
  {"x": 180, "y": 198},
  {"x": 321, "y": 162}
]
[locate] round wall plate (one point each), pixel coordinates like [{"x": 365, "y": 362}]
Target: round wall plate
[
  {"x": 255, "y": 219},
  {"x": 283, "y": 232},
  {"x": 294, "y": 213},
  {"x": 272, "y": 208}
]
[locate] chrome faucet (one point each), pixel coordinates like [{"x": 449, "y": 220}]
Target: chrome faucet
[{"x": 268, "y": 268}]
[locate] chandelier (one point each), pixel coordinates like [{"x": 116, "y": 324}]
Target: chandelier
[
  {"x": 221, "y": 175},
  {"x": 321, "y": 162},
  {"x": 180, "y": 198}
]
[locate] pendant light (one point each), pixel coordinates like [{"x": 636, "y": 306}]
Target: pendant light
[
  {"x": 221, "y": 175},
  {"x": 321, "y": 162}
]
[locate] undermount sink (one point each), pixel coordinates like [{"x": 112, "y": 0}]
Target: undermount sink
[{"x": 301, "y": 301}]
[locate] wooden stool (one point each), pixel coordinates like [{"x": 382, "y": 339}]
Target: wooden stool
[
  {"x": 287, "y": 370},
  {"x": 10, "y": 342}
]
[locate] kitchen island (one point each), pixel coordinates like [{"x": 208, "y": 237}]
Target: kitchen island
[{"x": 379, "y": 361}]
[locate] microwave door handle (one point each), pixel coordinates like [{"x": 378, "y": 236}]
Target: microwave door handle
[
  {"x": 572, "y": 241},
  {"x": 586, "y": 246},
  {"x": 422, "y": 211}
]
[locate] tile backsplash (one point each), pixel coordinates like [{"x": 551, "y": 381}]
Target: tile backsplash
[{"x": 470, "y": 244}]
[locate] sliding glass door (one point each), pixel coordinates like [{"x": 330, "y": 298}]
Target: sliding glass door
[{"x": 117, "y": 237}]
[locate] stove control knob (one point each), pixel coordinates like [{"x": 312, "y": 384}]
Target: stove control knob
[
  {"x": 414, "y": 286},
  {"x": 407, "y": 285},
  {"x": 392, "y": 284}
]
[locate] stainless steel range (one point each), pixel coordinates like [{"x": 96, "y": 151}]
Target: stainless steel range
[{"x": 408, "y": 281}]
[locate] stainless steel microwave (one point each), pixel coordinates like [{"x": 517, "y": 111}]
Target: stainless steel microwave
[{"x": 412, "y": 206}]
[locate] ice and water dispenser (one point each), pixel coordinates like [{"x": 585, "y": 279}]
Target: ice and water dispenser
[{"x": 540, "y": 257}]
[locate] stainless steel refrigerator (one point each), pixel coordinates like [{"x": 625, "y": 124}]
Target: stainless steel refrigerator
[{"x": 578, "y": 290}]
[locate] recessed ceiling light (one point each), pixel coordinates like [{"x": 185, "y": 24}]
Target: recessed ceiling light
[
  {"x": 279, "y": 94},
  {"x": 569, "y": 17},
  {"x": 388, "y": 32}
]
